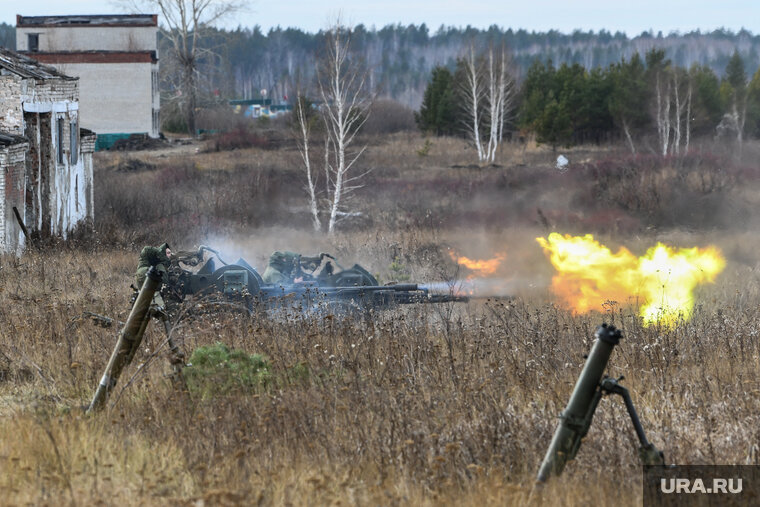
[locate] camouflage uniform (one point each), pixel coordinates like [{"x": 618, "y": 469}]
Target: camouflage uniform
[
  {"x": 153, "y": 256},
  {"x": 285, "y": 267}
]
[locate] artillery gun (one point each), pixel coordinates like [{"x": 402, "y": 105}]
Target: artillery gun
[{"x": 198, "y": 274}]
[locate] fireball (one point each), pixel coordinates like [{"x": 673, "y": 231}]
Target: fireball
[
  {"x": 661, "y": 281},
  {"x": 482, "y": 267}
]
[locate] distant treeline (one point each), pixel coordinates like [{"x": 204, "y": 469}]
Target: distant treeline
[
  {"x": 645, "y": 100},
  {"x": 7, "y": 36},
  {"x": 400, "y": 58}
]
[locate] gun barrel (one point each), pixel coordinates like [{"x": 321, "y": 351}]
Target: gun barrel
[
  {"x": 401, "y": 293},
  {"x": 575, "y": 420},
  {"x": 445, "y": 298},
  {"x": 129, "y": 339},
  {"x": 399, "y": 287}
]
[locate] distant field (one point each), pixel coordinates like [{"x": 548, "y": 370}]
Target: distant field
[{"x": 449, "y": 404}]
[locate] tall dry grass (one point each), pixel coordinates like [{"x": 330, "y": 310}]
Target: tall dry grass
[
  {"x": 444, "y": 404},
  {"x": 448, "y": 404}
]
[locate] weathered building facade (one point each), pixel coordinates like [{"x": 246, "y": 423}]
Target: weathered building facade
[
  {"x": 46, "y": 172},
  {"x": 115, "y": 58}
]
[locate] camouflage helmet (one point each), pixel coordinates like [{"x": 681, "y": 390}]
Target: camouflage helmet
[
  {"x": 162, "y": 249},
  {"x": 283, "y": 261}
]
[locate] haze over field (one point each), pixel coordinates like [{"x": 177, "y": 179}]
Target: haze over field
[{"x": 626, "y": 16}]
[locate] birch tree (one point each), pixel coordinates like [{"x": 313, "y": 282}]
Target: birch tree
[
  {"x": 184, "y": 24},
  {"x": 487, "y": 91},
  {"x": 304, "y": 123},
  {"x": 682, "y": 93},
  {"x": 672, "y": 103},
  {"x": 500, "y": 93},
  {"x": 472, "y": 93},
  {"x": 345, "y": 108},
  {"x": 673, "y": 111},
  {"x": 662, "y": 117},
  {"x": 657, "y": 68}
]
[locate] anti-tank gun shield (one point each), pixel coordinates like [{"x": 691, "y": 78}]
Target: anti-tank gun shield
[
  {"x": 236, "y": 281},
  {"x": 351, "y": 277}
]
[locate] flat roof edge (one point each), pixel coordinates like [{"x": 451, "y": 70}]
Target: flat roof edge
[{"x": 87, "y": 20}]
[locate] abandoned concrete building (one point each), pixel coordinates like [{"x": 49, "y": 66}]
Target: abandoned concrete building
[
  {"x": 115, "y": 58},
  {"x": 46, "y": 173}
]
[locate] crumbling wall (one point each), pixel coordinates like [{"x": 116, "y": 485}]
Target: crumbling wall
[
  {"x": 67, "y": 193},
  {"x": 56, "y": 197},
  {"x": 11, "y": 113},
  {"x": 12, "y": 189},
  {"x": 44, "y": 94},
  {"x": 87, "y": 146},
  {"x": 49, "y": 178}
]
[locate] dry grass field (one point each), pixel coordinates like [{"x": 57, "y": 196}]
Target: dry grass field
[{"x": 450, "y": 404}]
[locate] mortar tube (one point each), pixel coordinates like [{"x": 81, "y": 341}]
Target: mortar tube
[
  {"x": 576, "y": 418},
  {"x": 129, "y": 339},
  {"x": 136, "y": 344}
]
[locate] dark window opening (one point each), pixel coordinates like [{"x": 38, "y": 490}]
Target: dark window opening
[
  {"x": 33, "y": 40},
  {"x": 74, "y": 131},
  {"x": 59, "y": 139}
]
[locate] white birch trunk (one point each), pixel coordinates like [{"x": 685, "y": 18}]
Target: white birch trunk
[
  {"x": 473, "y": 94},
  {"x": 493, "y": 109},
  {"x": 677, "y": 127},
  {"x": 688, "y": 121},
  {"x": 345, "y": 111},
  {"x": 658, "y": 115},
  {"x": 303, "y": 148},
  {"x": 627, "y": 131}
]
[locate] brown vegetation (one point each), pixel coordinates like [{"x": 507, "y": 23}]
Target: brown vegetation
[{"x": 424, "y": 405}]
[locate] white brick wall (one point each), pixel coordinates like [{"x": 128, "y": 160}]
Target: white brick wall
[{"x": 115, "y": 97}]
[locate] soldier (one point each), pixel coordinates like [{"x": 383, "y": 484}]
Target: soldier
[
  {"x": 160, "y": 257},
  {"x": 286, "y": 268}
]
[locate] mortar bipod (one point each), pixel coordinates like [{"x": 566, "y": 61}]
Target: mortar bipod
[{"x": 648, "y": 453}]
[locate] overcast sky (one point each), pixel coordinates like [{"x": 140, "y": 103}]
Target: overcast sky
[{"x": 629, "y": 16}]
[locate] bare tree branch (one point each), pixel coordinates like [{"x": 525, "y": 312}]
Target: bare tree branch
[{"x": 183, "y": 24}]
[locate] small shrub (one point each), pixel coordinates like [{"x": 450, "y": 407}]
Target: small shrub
[
  {"x": 172, "y": 118},
  {"x": 425, "y": 150},
  {"x": 300, "y": 373},
  {"x": 388, "y": 117},
  {"x": 399, "y": 272},
  {"x": 217, "y": 370},
  {"x": 237, "y": 138}
]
